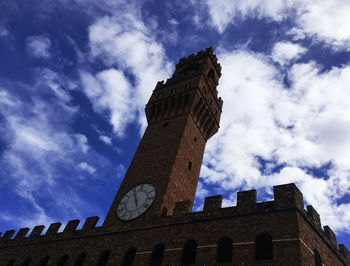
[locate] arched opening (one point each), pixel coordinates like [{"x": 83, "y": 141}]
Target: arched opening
[
  {"x": 129, "y": 257},
  {"x": 63, "y": 260},
  {"x": 80, "y": 259},
  {"x": 189, "y": 253},
  {"x": 224, "y": 253},
  {"x": 44, "y": 261},
  {"x": 11, "y": 262},
  {"x": 211, "y": 75},
  {"x": 27, "y": 262},
  {"x": 317, "y": 257},
  {"x": 263, "y": 247},
  {"x": 103, "y": 259},
  {"x": 157, "y": 255}
]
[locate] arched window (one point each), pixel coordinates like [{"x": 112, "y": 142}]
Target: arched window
[
  {"x": 318, "y": 260},
  {"x": 63, "y": 260},
  {"x": 224, "y": 253},
  {"x": 103, "y": 259},
  {"x": 157, "y": 255},
  {"x": 189, "y": 253},
  {"x": 27, "y": 262},
  {"x": 129, "y": 256},
  {"x": 263, "y": 247},
  {"x": 11, "y": 262},
  {"x": 211, "y": 75},
  {"x": 80, "y": 259}
]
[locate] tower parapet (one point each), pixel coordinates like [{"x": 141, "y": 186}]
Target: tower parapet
[
  {"x": 289, "y": 200},
  {"x": 21, "y": 237},
  {"x": 286, "y": 197},
  {"x": 191, "y": 89}
]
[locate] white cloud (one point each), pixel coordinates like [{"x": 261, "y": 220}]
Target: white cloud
[
  {"x": 326, "y": 19},
  {"x": 223, "y": 13},
  {"x": 284, "y": 52},
  {"x": 82, "y": 142},
  {"x": 304, "y": 126},
  {"x": 38, "y": 46},
  {"x": 125, "y": 41},
  {"x": 106, "y": 139},
  {"x": 329, "y": 19},
  {"x": 40, "y": 151},
  {"x": 3, "y": 32},
  {"x": 110, "y": 91},
  {"x": 86, "y": 167}
]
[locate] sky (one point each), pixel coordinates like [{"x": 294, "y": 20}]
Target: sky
[{"x": 75, "y": 76}]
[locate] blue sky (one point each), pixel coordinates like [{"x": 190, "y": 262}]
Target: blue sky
[{"x": 75, "y": 77}]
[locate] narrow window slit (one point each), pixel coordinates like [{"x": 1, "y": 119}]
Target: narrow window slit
[{"x": 190, "y": 165}]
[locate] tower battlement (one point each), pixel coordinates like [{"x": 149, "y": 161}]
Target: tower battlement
[
  {"x": 286, "y": 197},
  {"x": 10, "y": 237},
  {"x": 208, "y": 52},
  {"x": 189, "y": 70}
]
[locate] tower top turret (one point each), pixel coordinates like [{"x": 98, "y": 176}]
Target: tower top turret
[{"x": 208, "y": 52}]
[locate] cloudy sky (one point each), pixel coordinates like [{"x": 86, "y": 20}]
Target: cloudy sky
[{"x": 75, "y": 76}]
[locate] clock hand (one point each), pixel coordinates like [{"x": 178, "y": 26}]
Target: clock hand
[{"x": 135, "y": 198}]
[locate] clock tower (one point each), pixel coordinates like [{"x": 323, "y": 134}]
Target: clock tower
[{"x": 182, "y": 114}]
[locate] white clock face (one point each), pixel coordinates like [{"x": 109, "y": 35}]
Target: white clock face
[{"x": 136, "y": 202}]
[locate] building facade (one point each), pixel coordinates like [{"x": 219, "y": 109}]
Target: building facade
[{"x": 151, "y": 222}]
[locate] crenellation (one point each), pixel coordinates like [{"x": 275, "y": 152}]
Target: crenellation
[
  {"x": 246, "y": 204},
  {"x": 8, "y": 235},
  {"x": 53, "y": 229},
  {"x": 71, "y": 227},
  {"x": 331, "y": 236},
  {"x": 182, "y": 207},
  {"x": 212, "y": 203},
  {"x": 159, "y": 84},
  {"x": 288, "y": 196},
  {"x": 90, "y": 223},
  {"x": 208, "y": 51},
  {"x": 37, "y": 231},
  {"x": 314, "y": 216},
  {"x": 246, "y": 200},
  {"x": 22, "y": 233},
  {"x": 344, "y": 252}
]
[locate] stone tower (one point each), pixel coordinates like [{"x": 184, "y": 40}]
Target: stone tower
[{"x": 182, "y": 114}]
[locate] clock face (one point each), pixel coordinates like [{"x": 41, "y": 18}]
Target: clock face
[{"x": 136, "y": 202}]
